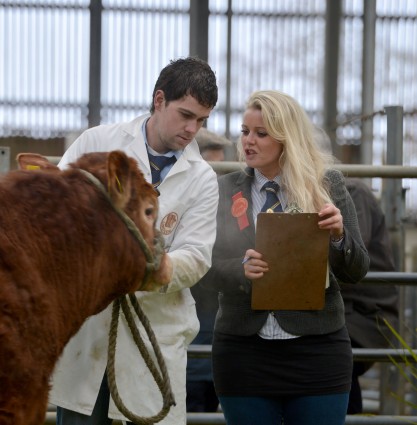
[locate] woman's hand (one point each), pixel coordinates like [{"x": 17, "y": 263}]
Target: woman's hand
[
  {"x": 253, "y": 264},
  {"x": 331, "y": 219}
]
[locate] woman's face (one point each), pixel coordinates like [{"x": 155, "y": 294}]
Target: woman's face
[{"x": 261, "y": 150}]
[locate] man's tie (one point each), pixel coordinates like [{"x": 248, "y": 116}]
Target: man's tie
[
  {"x": 158, "y": 163},
  {"x": 272, "y": 203}
]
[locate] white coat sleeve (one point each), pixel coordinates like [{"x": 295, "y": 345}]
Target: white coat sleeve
[{"x": 191, "y": 248}]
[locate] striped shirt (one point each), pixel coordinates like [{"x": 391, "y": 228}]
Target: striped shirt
[
  {"x": 271, "y": 329},
  {"x": 177, "y": 154}
]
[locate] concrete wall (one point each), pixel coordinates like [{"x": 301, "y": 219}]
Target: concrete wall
[{"x": 16, "y": 145}]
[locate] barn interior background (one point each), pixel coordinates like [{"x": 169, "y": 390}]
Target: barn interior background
[
  {"x": 70, "y": 64},
  {"x": 67, "y": 65}
]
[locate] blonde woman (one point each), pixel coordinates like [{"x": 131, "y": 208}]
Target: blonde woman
[{"x": 273, "y": 367}]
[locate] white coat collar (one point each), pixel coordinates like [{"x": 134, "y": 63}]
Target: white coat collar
[{"x": 133, "y": 130}]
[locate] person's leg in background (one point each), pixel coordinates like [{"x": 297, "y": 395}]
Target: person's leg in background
[
  {"x": 355, "y": 396},
  {"x": 195, "y": 396},
  {"x": 212, "y": 401},
  {"x": 201, "y": 397}
]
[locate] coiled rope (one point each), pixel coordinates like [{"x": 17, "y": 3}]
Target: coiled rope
[{"x": 161, "y": 376}]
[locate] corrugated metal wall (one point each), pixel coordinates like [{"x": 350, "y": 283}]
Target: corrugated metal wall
[
  {"x": 45, "y": 51},
  {"x": 139, "y": 39},
  {"x": 44, "y": 54},
  {"x": 277, "y": 45}
]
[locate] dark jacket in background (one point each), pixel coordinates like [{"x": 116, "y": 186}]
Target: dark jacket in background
[{"x": 365, "y": 304}]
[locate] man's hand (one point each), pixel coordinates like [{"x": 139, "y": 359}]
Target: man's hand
[{"x": 160, "y": 277}]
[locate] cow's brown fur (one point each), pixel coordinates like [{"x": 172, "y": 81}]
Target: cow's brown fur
[{"x": 64, "y": 255}]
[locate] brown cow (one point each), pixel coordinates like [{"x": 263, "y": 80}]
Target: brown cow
[{"x": 65, "y": 254}]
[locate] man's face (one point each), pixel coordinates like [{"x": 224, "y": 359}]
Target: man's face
[{"x": 177, "y": 122}]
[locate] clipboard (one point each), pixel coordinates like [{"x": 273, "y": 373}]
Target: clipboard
[{"x": 296, "y": 251}]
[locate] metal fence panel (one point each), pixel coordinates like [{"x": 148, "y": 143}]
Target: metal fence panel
[
  {"x": 44, "y": 56},
  {"x": 45, "y": 50}
]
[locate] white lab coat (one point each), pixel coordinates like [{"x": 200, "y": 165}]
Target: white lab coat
[{"x": 190, "y": 191}]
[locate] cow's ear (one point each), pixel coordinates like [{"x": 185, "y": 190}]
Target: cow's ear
[
  {"x": 118, "y": 168},
  {"x": 34, "y": 161}
]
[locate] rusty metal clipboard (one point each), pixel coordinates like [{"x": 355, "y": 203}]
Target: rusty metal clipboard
[{"x": 296, "y": 251}]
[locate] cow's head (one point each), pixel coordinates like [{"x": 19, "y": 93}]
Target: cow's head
[
  {"x": 126, "y": 187},
  {"x": 125, "y": 184}
]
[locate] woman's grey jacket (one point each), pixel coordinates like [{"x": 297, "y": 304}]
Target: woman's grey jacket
[{"x": 235, "y": 316}]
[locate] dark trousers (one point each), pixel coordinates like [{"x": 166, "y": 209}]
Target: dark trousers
[
  {"x": 201, "y": 397},
  {"x": 355, "y": 396}
]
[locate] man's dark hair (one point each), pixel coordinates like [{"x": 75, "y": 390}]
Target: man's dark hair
[{"x": 189, "y": 76}]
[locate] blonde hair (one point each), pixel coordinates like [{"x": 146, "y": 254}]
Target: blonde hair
[{"x": 303, "y": 165}]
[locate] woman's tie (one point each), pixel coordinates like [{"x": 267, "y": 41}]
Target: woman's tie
[{"x": 272, "y": 203}]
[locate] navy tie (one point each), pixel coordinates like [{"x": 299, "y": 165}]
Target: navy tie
[
  {"x": 272, "y": 203},
  {"x": 158, "y": 163}
]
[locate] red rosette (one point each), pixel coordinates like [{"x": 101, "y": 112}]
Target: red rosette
[{"x": 239, "y": 208}]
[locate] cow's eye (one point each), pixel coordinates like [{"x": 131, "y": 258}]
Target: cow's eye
[{"x": 149, "y": 211}]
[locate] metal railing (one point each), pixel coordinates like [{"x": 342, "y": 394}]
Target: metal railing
[
  {"x": 349, "y": 170},
  {"x": 218, "y": 419}
]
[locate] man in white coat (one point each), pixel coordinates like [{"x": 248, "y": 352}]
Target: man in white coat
[{"x": 183, "y": 97}]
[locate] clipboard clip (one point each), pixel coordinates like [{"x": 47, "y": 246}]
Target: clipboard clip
[{"x": 293, "y": 208}]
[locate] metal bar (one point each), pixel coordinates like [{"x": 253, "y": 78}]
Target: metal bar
[
  {"x": 331, "y": 71},
  {"x": 393, "y": 204},
  {"x": 379, "y": 420},
  {"x": 94, "y": 100},
  {"x": 228, "y": 108},
  {"x": 392, "y": 199},
  {"x": 199, "y": 24},
  {"x": 205, "y": 419},
  {"x": 218, "y": 419},
  {"x": 385, "y": 355},
  {"x": 350, "y": 170},
  {"x": 368, "y": 75},
  {"x": 392, "y": 278}
]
